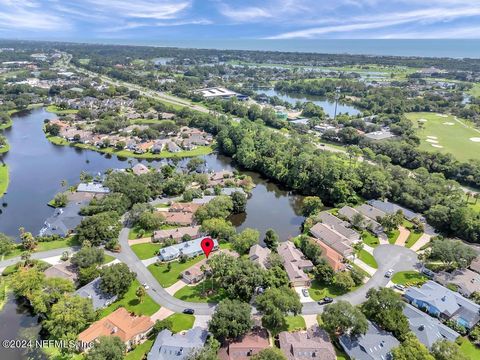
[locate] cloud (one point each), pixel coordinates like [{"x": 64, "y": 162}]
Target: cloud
[{"x": 28, "y": 15}]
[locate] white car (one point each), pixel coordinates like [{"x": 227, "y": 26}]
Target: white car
[
  {"x": 146, "y": 286},
  {"x": 399, "y": 287},
  {"x": 305, "y": 292},
  {"x": 389, "y": 273}
]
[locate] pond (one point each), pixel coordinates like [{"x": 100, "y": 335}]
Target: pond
[{"x": 327, "y": 105}]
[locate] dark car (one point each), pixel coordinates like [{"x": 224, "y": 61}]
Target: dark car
[
  {"x": 189, "y": 311},
  {"x": 325, "y": 300}
]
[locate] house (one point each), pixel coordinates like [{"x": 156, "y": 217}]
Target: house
[
  {"x": 426, "y": 328},
  {"x": 259, "y": 255},
  {"x": 340, "y": 226},
  {"x": 189, "y": 248},
  {"x": 194, "y": 274},
  {"x": 332, "y": 239},
  {"x": 91, "y": 187},
  {"x": 64, "y": 220},
  {"x": 245, "y": 347},
  {"x": 443, "y": 303},
  {"x": 169, "y": 346},
  {"x": 204, "y": 200},
  {"x": 64, "y": 270},
  {"x": 350, "y": 213},
  {"x": 230, "y": 190},
  {"x": 311, "y": 344},
  {"x": 334, "y": 257},
  {"x": 177, "y": 234},
  {"x": 131, "y": 329},
  {"x": 375, "y": 344},
  {"x": 220, "y": 178},
  {"x": 295, "y": 264},
  {"x": 92, "y": 291},
  {"x": 140, "y": 169},
  {"x": 173, "y": 147},
  {"x": 380, "y": 135},
  {"x": 144, "y": 147},
  {"x": 466, "y": 281},
  {"x": 475, "y": 265},
  {"x": 179, "y": 218},
  {"x": 370, "y": 212},
  {"x": 184, "y": 207}
]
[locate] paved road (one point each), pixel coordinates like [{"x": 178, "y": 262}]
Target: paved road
[
  {"x": 388, "y": 257},
  {"x": 39, "y": 255}
]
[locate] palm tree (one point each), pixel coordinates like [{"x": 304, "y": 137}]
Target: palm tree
[
  {"x": 26, "y": 257},
  {"x": 140, "y": 293}
]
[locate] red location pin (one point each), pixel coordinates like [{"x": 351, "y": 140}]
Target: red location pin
[{"x": 207, "y": 246}]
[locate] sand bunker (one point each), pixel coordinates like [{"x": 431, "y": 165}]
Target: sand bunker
[
  {"x": 475, "y": 139},
  {"x": 432, "y": 141},
  {"x": 437, "y": 146},
  {"x": 448, "y": 123},
  {"x": 432, "y": 137},
  {"x": 442, "y": 115},
  {"x": 422, "y": 120}
]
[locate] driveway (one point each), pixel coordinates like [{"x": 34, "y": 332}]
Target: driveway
[
  {"x": 403, "y": 236},
  {"x": 388, "y": 257}
]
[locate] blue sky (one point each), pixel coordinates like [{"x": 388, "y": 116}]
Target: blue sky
[{"x": 172, "y": 20}]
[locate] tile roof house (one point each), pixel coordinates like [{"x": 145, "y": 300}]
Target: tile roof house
[
  {"x": 375, "y": 344},
  {"x": 64, "y": 270},
  {"x": 441, "y": 302},
  {"x": 184, "y": 207},
  {"x": 466, "y": 281},
  {"x": 295, "y": 264},
  {"x": 177, "y": 234},
  {"x": 245, "y": 347},
  {"x": 426, "y": 328},
  {"x": 129, "y": 328},
  {"x": 302, "y": 345},
  {"x": 259, "y": 255},
  {"x": 189, "y": 248},
  {"x": 179, "y": 218},
  {"x": 92, "y": 291},
  {"x": 333, "y": 258},
  {"x": 169, "y": 346},
  {"x": 140, "y": 169}
]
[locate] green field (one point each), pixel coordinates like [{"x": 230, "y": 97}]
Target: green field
[
  {"x": 295, "y": 323},
  {"x": 393, "y": 236},
  {"x": 181, "y": 322},
  {"x": 145, "y": 251},
  {"x": 140, "y": 351},
  {"x": 4, "y": 179},
  {"x": 453, "y": 139},
  {"x": 475, "y": 90},
  {"x": 367, "y": 258},
  {"x": 201, "y": 293},
  {"x": 168, "y": 278},
  {"x": 56, "y": 110},
  {"x": 468, "y": 349},
  {"x": 318, "y": 291},
  {"x": 409, "y": 278},
  {"x": 370, "y": 239}
]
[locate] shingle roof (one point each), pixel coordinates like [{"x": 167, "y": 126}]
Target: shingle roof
[
  {"x": 92, "y": 291},
  {"x": 177, "y": 346},
  {"x": 304, "y": 345}
]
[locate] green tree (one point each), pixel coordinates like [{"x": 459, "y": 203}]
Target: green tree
[
  {"x": 284, "y": 298},
  {"x": 452, "y": 252},
  {"x": 270, "y": 354},
  {"x": 99, "y": 228},
  {"x": 391, "y": 222},
  {"x": 239, "y": 200},
  {"x": 7, "y": 245},
  {"x": 271, "y": 239},
  {"x": 311, "y": 205},
  {"x": 220, "y": 207},
  {"x": 411, "y": 349},
  {"x": 232, "y": 318},
  {"x": 447, "y": 350},
  {"x": 343, "y": 280},
  {"x": 60, "y": 200},
  {"x": 88, "y": 256},
  {"x": 243, "y": 241},
  {"x": 29, "y": 242},
  {"x": 220, "y": 229},
  {"x": 150, "y": 221},
  {"x": 343, "y": 318},
  {"x": 116, "y": 279},
  {"x": 323, "y": 272},
  {"x": 107, "y": 347},
  {"x": 140, "y": 293}
]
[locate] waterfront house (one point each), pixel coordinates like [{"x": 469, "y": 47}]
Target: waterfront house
[
  {"x": 131, "y": 329},
  {"x": 173, "y": 147},
  {"x": 246, "y": 346},
  {"x": 465, "y": 281},
  {"x": 375, "y": 344},
  {"x": 64, "y": 220},
  {"x": 170, "y": 346},
  {"x": 443, "y": 303},
  {"x": 189, "y": 207},
  {"x": 64, "y": 270},
  {"x": 295, "y": 264},
  {"x": 179, "y": 218},
  {"x": 177, "y": 234},
  {"x": 189, "y": 249},
  {"x": 93, "y": 187},
  {"x": 259, "y": 255},
  {"x": 426, "y": 328},
  {"x": 340, "y": 226},
  {"x": 140, "y": 169},
  {"x": 303, "y": 345},
  {"x": 350, "y": 213},
  {"x": 93, "y": 292},
  {"x": 334, "y": 256}
]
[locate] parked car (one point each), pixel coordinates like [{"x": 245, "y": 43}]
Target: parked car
[
  {"x": 325, "y": 300},
  {"x": 399, "y": 287},
  {"x": 389, "y": 273},
  {"x": 145, "y": 285},
  {"x": 189, "y": 311},
  {"x": 349, "y": 267},
  {"x": 305, "y": 292}
]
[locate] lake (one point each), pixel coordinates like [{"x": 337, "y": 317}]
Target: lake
[{"x": 327, "y": 105}]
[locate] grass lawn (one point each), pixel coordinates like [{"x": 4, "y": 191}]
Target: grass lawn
[
  {"x": 370, "y": 239},
  {"x": 6, "y": 125},
  {"x": 367, "y": 258},
  {"x": 409, "y": 278},
  {"x": 131, "y": 303},
  {"x": 134, "y": 233},
  {"x": 56, "y": 110},
  {"x": 108, "y": 259},
  {"x": 4, "y": 179},
  {"x": 296, "y": 323},
  {"x": 318, "y": 291},
  {"x": 469, "y": 349},
  {"x": 161, "y": 205},
  {"x": 54, "y": 353},
  {"x": 145, "y": 251},
  {"x": 168, "y": 278},
  {"x": 474, "y": 204},
  {"x": 393, "y": 236},
  {"x": 5, "y": 149},
  {"x": 454, "y": 139},
  {"x": 140, "y": 351},
  {"x": 196, "y": 293},
  {"x": 340, "y": 354},
  {"x": 44, "y": 246},
  {"x": 181, "y": 322},
  {"x": 475, "y": 90},
  {"x": 413, "y": 238}
]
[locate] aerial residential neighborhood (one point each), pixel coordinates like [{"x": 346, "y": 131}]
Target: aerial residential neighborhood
[{"x": 297, "y": 181}]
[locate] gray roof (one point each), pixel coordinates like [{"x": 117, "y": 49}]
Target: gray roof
[
  {"x": 331, "y": 238},
  {"x": 63, "y": 220},
  {"x": 177, "y": 346},
  {"x": 93, "y": 188},
  {"x": 426, "y": 328},
  {"x": 466, "y": 280},
  {"x": 376, "y": 344},
  {"x": 92, "y": 291},
  {"x": 370, "y": 211},
  {"x": 188, "y": 248},
  {"x": 204, "y": 200},
  {"x": 380, "y": 135},
  {"x": 448, "y": 302},
  {"x": 230, "y": 190},
  {"x": 340, "y": 226}
]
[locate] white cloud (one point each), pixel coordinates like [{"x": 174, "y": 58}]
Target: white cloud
[{"x": 28, "y": 15}]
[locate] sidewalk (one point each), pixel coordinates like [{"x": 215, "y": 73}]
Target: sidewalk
[
  {"x": 424, "y": 239},
  {"x": 161, "y": 314},
  {"x": 175, "y": 287},
  {"x": 364, "y": 266}
]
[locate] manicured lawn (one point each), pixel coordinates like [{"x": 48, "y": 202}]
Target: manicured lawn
[
  {"x": 4, "y": 179},
  {"x": 474, "y": 204},
  {"x": 108, "y": 258},
  {"x": 6, "y": 125},
  {"x": 5, "y": 149},
  {"x": 140, "y": 351},
  {"x": 451, "y": 136},
  {"x": 134, "y": 233},
  {"x": 168, "y": 278},
  {"x": 161, "y": 206},
  {"x": 393, "y": 236},
  {"x": 55, "y": 109},
  {"x": 54, "y": 353},
  {"x": 295, "y": 323},
  {"x": 196, "y": 293},
  {"x": 131, "y": 303},
  {"x": 413, "y": 238},
  {"x": 181, "y": 322},
  {"x": 367, "y": 258},
  {"x": 370, "y": 239},
  {"x": 469, "y": 349},
  {"x": 409, "y": 278},
  {"x": 475, "y": 90},
  {"x": 44, "y": 246},
  {"x": 318, "y": 291},
  {"x": 145, "y": 251}
]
